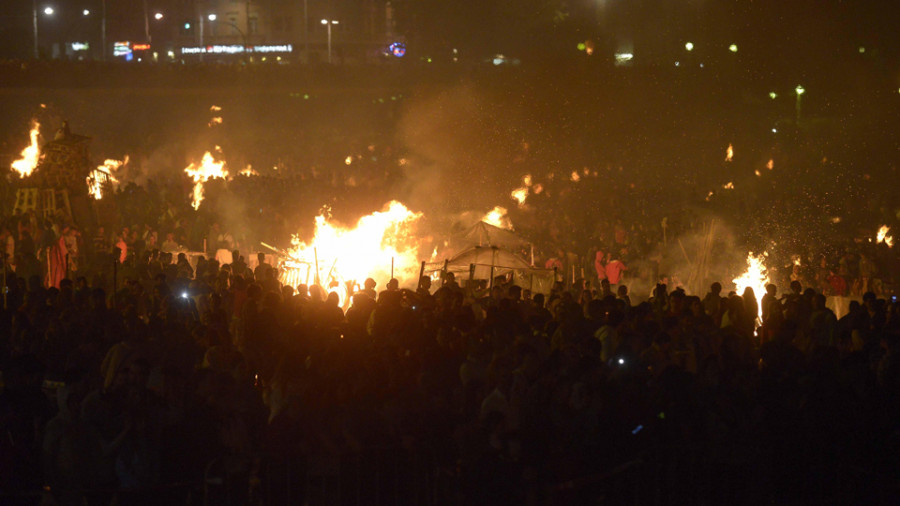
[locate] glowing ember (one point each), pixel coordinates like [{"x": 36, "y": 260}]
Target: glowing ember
[
  {"x": 729, "y": 153},
  {"x": 538, "y": 188},
  {"x": 882, "y": 236},
  {"x": 354, "y": 254},
  {"x": 755, "y": 277},
  {"x": 758, "y": 174},
  {"x": 30, "y": 155},
  {"x": 203, "y": 172},
  {"x": 836, "y": 219},
  {"x": 771, "y": 164},
  {"x": 709, "y": 196},
  {"x": 575, "y": 177},
  {"x": 103, "y": 175},
  {"x": 527, "y": 180},
  {"x": 498, "y": 218},
  {"x": 728, "y": 186}
]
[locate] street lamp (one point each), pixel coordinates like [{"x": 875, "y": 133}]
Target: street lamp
[
  {"x": 799, "y": 90},
  {"x": 86, "y": 12},
  {"x": 328, "y": 23},
  {"x": 689, "y": 46},
  {"x": 34, "y": 12}
]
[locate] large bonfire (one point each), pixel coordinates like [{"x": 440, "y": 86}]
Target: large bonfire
[{"x": 381, "y": 245}]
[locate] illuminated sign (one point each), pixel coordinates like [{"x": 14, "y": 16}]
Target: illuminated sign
[
  {"x": 140, "y": 47},
  {"x": 80, "y": 46},
  {"x": 121, "y": 48},
  {"x": 237, "y": 49}
]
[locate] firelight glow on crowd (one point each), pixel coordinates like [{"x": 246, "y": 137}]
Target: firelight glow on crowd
[{"x": 506, "y": 289}]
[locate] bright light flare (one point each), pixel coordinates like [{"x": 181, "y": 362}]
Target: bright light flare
[
  {"x": 354, "y": 254},
  {"x": 31, "y": 154},
  {"x": 883, "y": 236},
  {"x": 755, "y": 277},
  {"x": 207, "y": 169}
]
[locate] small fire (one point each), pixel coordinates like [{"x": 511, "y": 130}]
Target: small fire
[
  {"x": 709, "y": 196},
  {"x": 348, "y": 160},
  {"x": 575, "y": 177},
  {"x": 337, "y": 255},
  {"x": 728, "y": 186},
  {"x": 248, "y": 171},
  {"x": 103, "y": 174},
  {"x": 771, "y": 164},
  {"x": 203, "y": 172},
  {"x": 498, "y": 218},
  {"x": 217, "y": 120},
  {"x": 215, "y": 108},
  {"x": 31, "y": 154},
  {"x": 538, "y": 188},
  {"x": 729, "y": 153},
  {"x": 883, "y": 236},
  {"x": 758, "y": 174},
  {"x": 527, "y": 181},
  {"x": 755, "y": 277}
]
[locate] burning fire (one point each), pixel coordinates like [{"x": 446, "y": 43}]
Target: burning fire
[
  {"x": 31, "y": 154},
  {"x": 755, "y": 277},
  {"x": 498, "y": 218},
  {"x": 341, "y": 255},
  {"x": 216, "y": 120},
  {"x": 206, "y": 170},
  {"x": 215, "y": 108},
  {"x": 729, "y": 153},
  {"x": 728, "y": 186},
  {"x": 519, "y": 195},
  {"x": 771, "y": 164},
  {"x": 103, "y": 174},
  {"x": 884, "y": 238},
  {"x": 248, "y": 171},
  {"x": 575, "y": 177}
]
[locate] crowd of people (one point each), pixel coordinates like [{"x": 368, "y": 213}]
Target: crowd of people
[{"x": 515, "y": 397}]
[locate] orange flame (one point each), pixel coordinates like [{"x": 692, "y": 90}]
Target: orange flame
[
  {"x": 883, "y": 236},
  {"x": 728, "y": 186},
  {"x": 353, "y": 254},
  {"x": 755, "y": 277},
  {"x": 216, "y": 120},
  {"x": 729, "y": 153},
  {"x": 31, "y": 154},
  {"x": 203, "y": 172},
  {"x": 771, "y": 164},
  {"x": 575, "y": 176},
  {"x": 104, "y": 174},
  {"x": 498, "y": 218}
]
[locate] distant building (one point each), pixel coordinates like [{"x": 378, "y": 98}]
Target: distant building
[{"x": 362, "y": 32}]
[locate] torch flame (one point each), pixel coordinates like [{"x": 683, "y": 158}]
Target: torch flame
[
  {"x": 206, "y": 170},
  {"x": 729, "y": 153},
  {"x": 31, "y": 154},
  {"x": 498, "y": 218},
  {"x": 755, "y": 277},
  {"x": 883, "y": 236},
  {"x": 353, "y": 254}
]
